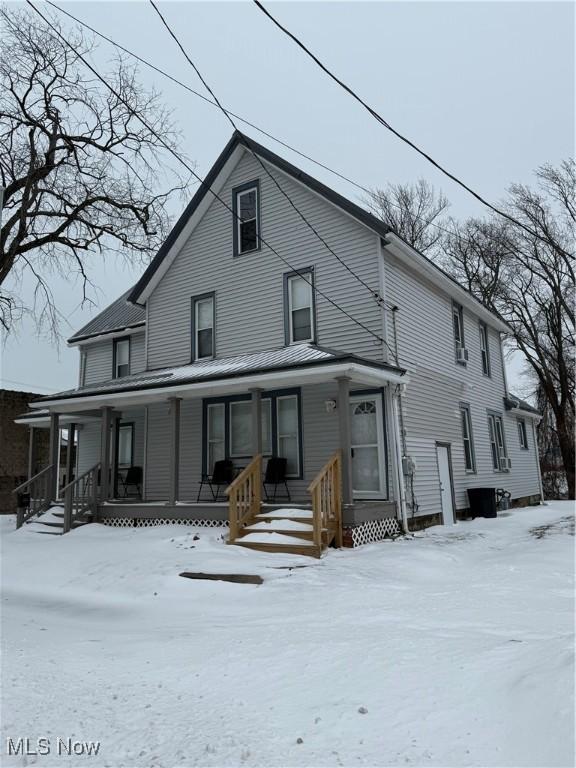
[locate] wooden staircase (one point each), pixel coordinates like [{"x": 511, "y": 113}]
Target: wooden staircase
[{"x": 298, "y": 531}]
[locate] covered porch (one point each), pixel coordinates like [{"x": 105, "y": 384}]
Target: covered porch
[{"x": 326, "y": 414}]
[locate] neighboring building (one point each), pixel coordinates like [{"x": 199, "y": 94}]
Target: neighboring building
[
  {"x": 239, "y": 339},
  {"x": 16, "y": 460}
]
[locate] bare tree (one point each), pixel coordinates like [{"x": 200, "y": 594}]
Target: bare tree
[
  {"x": 82, "y": 176},
  {"x": 413, "y": 211},
  {"x": 529, "y": 282}
]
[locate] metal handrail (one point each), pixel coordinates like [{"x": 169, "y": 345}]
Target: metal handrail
[{"x": 26, "y": 483}]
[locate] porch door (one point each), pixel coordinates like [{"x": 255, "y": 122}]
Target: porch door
[
  {"x": 367, "y": 443},
  {"x": 445, "y": 476}
]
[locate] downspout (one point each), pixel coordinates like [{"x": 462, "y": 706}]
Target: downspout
[{"x": 398, "y": 449}]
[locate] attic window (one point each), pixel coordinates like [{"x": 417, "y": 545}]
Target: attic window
[{"x": 246, "y": 207}]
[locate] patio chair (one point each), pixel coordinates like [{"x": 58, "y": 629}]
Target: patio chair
[
  {"x": 222, "y": 475},
  {"x": 132, "y": 478},
  {"x": 276, "y": 475}
]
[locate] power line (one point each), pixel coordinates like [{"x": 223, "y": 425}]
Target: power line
[
  {"x": 374, "y": 294},
  {"x": 196, "y": 175},
  {"x": 244, "y": 120},
  {"x": 387, "y": 125}
]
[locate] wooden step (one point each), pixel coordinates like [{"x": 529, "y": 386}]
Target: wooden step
[
  {"x": 304, "y": 535},
  {"x": 263, "y": 518},
  {"x": 290, "y": 549}
]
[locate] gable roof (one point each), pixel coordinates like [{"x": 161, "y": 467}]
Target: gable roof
[
  {"x": 118, "y": 316},
  {"x": 240, "y": 140}
]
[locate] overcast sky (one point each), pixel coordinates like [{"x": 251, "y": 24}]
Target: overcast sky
[{"x": 485, "y": 87}]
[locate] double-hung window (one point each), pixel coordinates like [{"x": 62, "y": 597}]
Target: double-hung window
[
  {"x": 458, "y": 325},
  {"x": 466, "y": 422},
  {"x": 522, "y": 434},
  {"x": 215, "y": 434},
  {"x": 203, "y": 346},
  {"x": 497, "y": 444},
  {"x": 287, "y": 437},
  {"x": 121, "y": 357},
  {"x": 299, "y": 306},
  {"x": 484, "y": 349},
  {"x": 246, "y": 214},
  {"x": 125, "y": 444}
]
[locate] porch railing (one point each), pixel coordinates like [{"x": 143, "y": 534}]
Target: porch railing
[
  {"x": 34, "y": 496},
  {"x": 326, "y": 491},
  {"x": 245, "y": 497},
  {"x": 80, "y": 496}
]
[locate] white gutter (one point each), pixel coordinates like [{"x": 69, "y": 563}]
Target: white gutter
[
  {"x": 398, "y": 448},
  {"x": 359, "y": 373},
  {"x": 127, "y": 331}
]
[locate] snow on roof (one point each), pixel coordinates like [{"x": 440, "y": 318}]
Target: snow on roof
[
  {"x": 297, "y": 355},
  {"x": 117, "y": 316}
]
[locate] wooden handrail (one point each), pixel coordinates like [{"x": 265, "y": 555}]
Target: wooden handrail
[
  {"x": 326, "y": 490},
  {"x": 80, "y": 496},
  {"x": 29, "y": 482},
  {"x": 244, "y": 497},
  {"x": 39, "y": 494}
]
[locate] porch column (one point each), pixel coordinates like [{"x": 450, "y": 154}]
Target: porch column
[
  {"x": 396, "y": 405},
  {"x": 344, "y": 428},
  {"x": 31, "y": 451},
  {"x": 54, "y": 455},
  {"x": 113, "y": 455},
  {"x": 70, "y": 453},
  {"x": 256, "y": 422},
  {"x": 174, "y": 449},
  {"x": 105, "y": 453}
]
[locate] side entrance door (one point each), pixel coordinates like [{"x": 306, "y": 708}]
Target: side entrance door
[
  {"x": 445, "y": 476},
  {"x": 367, "y": 443}
]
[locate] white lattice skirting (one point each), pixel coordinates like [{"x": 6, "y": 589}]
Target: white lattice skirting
[
  {"x": 147, "y": 522},
  {"x": 375, "y": 530}
]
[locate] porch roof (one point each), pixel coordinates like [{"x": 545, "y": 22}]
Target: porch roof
[{"x": 299, "y": 363}]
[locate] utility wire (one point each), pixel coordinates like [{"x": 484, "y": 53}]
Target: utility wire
[
  {"x": 283, "y": 143},
  {"x": 196, "y": 175},
  {"x": 403, "y": 138},
  {"x": 374, "y": 294}
]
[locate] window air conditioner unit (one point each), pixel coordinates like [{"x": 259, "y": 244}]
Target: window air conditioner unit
[
  {"x": 505, "y": 463},
  {"x": 462, "y": 355}
]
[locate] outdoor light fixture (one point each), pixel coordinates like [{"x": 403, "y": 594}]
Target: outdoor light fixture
[{"x": 330, "y": 405}]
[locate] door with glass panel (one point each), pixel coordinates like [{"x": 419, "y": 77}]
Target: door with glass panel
[{"x": 367, "y": 443}]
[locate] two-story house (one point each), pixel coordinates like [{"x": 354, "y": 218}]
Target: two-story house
[{"x": 259, "y": 332}]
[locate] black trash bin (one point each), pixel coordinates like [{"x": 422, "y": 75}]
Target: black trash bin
[{"x": 482, "y": 502}]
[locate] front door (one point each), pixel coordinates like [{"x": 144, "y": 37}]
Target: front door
[
  {"x": 445, "y": 476},
  {"x": 367, "y": 442}
]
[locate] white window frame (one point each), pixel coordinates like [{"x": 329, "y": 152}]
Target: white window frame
[
  {"x": 240, "y": 221},
  {"x": 497, "y": 438},
  {"x": 117, "y": 343},
  {"x": 280, "y": 435},
  {"x": 123, "y": 428},
  {"x": 308, "y": 278},
  {"x": 458, "y": 313},
  {"x": 209, "y": 439},
  {"x": 197, "y": 301},
  {"x": 466, "y": 425},
  {"x": 522, "y": 434},
  {"x": 484, "y": 349}
]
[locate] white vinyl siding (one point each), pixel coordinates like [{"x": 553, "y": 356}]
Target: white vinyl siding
[{"x": 99, "y": 356}]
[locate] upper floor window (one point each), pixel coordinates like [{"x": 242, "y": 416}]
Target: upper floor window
[
  {"x": 522, "y": 434},
  {"x": 121, "y": 365},
  {"x": 458, "y": 323},
  {"x": 469, "y": 458},
  {"x": 203, "y": 346},
  {"x": 484, "y": 349},
  {"x": 246, "y": 208},
  {"x": 299, "y": 306},
  {"x": 500, "y": 461}
]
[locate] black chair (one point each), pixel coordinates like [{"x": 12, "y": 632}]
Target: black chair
[
  {"x": 133, "y": 477},
  {"x": 222, "y": 475},
  {"x": 276, "y": 475}
]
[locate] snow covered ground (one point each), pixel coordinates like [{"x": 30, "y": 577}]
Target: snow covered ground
[{"x": 454, "y": 648}]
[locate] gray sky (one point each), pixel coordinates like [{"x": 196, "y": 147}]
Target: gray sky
[{"x": 486, "y": 87}]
